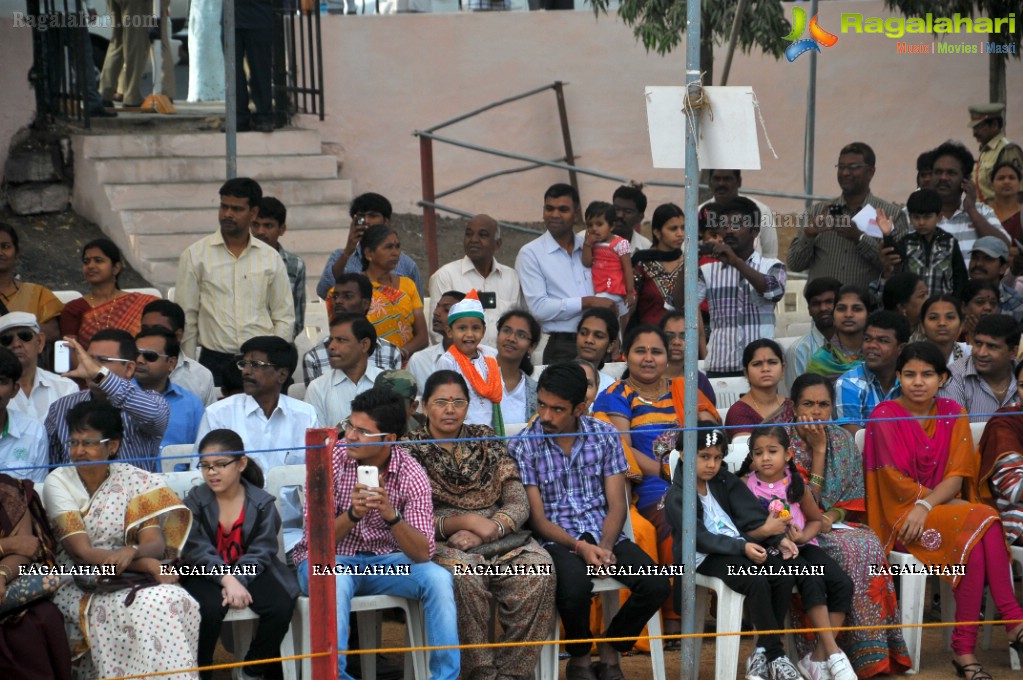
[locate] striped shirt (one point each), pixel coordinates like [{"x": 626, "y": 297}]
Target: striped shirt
[
  {"x": 1007, "y": 480},
  {"x": 145, "y": 416},
  {"x": 960, "y": 225},
  {"x": 408, "y": 489},
  {"x": 295, "y": 266},
  {"x": 571, "y": 486},
  {"x": 828, "y": 254},
  {"x": 738, "y": 313},
  {"x": 973, "y": 392},
  {"x": 229, "y": 299},
  {"x": 1011, "y": 302}
]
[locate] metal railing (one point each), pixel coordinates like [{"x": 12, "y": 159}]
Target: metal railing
[
  {"x": 62, "y": 68},
  {"x": 430, "y": 201},
  {"x": 298, "y": 59}
]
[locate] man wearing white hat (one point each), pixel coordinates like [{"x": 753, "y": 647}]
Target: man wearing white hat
[
  {"x": 20, "y": 333},
  {"x": 988, "y": 123}
]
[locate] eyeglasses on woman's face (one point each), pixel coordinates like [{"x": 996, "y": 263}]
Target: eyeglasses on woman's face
[{"x": 445, "y": 404}]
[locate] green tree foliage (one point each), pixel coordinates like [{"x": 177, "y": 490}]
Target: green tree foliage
[{"x": 660, "y": 24}]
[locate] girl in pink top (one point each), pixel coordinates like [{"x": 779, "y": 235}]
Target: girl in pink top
[
  {"x": 610, "y": 257},
  {"x": 826, "y": 589}
]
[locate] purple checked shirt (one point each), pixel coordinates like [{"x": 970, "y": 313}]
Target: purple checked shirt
[{"x": 571, "y": 486}]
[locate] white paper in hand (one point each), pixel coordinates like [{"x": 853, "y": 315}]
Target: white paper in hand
[{"x": 866, "y": 220}]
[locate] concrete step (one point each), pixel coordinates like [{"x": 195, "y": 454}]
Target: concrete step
[
  {"x": 194, "y": 223},
  {"x": 198, "y": 169},
  {"x": 179, "y": 195},
  {"x": 282, "y": 142},
  {"x": 171, "y": 245}
]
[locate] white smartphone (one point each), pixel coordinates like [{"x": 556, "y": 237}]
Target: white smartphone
[
  {"x": 368, "y": 475},
  {"x": 61, "y": 356}
]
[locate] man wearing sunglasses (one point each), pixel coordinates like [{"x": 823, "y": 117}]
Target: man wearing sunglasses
[
  {"x": 384, "y": 534},
  {"x": 158, "y": 355},
  {"x": 108, "y": 368},
  {"x": 21, "y": 334}
]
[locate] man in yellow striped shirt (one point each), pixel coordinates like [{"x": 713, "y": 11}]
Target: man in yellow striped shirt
[{"x": 232, "y": 287}]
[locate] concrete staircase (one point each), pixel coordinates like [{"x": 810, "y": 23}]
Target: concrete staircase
[{"x": 155, "y": 194}]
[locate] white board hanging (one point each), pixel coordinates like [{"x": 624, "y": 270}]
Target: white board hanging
[{"x": 728, "y": 128}]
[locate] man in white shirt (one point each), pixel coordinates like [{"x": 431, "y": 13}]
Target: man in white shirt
[
  {"x": 20, "y": 333},
  {"x": 352, "y": 341},
  {"x": 556, "y": 285},
  {"x": 271, "y": 424},
  {"x": 188, "y": 373},
  {"x": 480, "y": 270},
  {"x": 24, "y": 449},
  {"x": 231, "y": 285}
]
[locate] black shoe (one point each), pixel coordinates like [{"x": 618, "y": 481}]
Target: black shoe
[
  {"x": 263, "y": 126},
  {"x": 242, "y": 127},
  {"x": 108, "y": 103},
  {"x": 102, "y": 113}
]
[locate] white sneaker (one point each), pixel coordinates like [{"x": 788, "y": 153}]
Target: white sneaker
[
  {"x": 756, "y": 665},
  {"x": 840, "y": 667},
  {"x": 814, "y": 670},
  {"x": 782, "y": 669}
]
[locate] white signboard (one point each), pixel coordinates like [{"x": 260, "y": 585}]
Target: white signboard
[{"x": 728, "y": 128}]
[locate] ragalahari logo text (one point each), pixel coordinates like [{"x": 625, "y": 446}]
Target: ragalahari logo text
[{"x": 818, "y": 36}]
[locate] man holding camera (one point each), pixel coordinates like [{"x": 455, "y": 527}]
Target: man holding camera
[
  {"x": 496, "y": 284},
  {"x": 829, "y": 242}
]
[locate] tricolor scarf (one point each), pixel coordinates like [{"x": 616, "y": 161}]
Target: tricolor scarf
[{"x": 491, "y": 389}]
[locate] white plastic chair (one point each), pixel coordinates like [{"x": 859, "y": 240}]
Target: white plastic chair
[
  {"x": 182, "y": 482},
  {"x": 788, "y": 341},
  {"x": 614, "y": 369},
  {"x": 799, "y": 328},
  {"x": 170, "y": 293},
  {"x": 367, "y": 607},
  {"x": 608, "y": 588},
  {"x": 67, "y": 296},
  {"x": 155, "y": 292},
  {"x": 297, "y": 390},
  {"x": 514, "y": 429},
  {"x": 728, "y": 390},
  {"x": 977, "y": 431},
  {"x": 738, "y": 449},
  {"x": 167, "y": 460}
]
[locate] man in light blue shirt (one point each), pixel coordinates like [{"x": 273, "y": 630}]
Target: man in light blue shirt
[
  {"x": 23, "y": 441},
  {"x": 556, "y": 285},
  {"x": 158, "y": 355},
  {"x": 367, "y": 210},
  {"x": 821, "y": 295},
  {"x": 859, "y": 390}
]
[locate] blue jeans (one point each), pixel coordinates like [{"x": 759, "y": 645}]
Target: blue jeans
[{"x": 427, "y": 582}]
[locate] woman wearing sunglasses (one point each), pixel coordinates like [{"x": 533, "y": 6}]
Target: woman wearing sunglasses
[
  {"x": 480, "y": 509},
  {"x": 234, "y": 537}
]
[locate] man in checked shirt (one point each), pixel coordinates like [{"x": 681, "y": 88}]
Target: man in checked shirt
[{"x": 385, "y": 530}]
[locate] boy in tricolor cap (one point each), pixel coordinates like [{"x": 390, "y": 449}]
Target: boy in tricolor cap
[{"x": 477, "y": 365}]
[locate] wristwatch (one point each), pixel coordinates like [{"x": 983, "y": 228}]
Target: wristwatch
[
  {"x": 102, "y": 374},
  {"x": 397, "y": 518}
]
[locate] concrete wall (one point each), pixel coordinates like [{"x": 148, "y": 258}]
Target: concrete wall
[
  {"x": 18, "y": 98},
  {"x": 388, "y": 76}
]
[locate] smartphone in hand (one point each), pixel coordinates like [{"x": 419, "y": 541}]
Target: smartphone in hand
[
  {"x": 61, "y": 356},
  {"x": 368, "y": 475}
]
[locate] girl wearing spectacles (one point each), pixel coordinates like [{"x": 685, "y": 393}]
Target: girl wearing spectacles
[
  {"x": 517, "y": 335},
  {"x": 480, "y": 509},
  {"x": 234, "y": 535}
]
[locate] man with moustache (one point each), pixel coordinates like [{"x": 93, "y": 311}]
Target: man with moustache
[
  {"x": 577, "y": 497},
  {"x": 821, "y": 295},
  {"x": 630, "y": 207},
  {"x": 830, "y": 243},
  {"x": 988, "y": 123},
  {"x": 352, "y": 341},
  {"x": 989, "y": 260},
  {"x": 20, "y": 333},
  {"x": 725, "y": 185},
  {"x": 158, "y": 350},
  {"x": 961, "y": 215},
  {"x": 985, "y": 381},
  {"x": 859, "y": 390},
  {"x": 556, "y": 285},
  {"x": 231, "y": 285}
]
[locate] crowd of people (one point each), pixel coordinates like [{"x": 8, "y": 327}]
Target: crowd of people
[{"x": 914, "y": 333}]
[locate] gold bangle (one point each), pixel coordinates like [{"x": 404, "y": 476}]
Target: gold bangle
[{"x": 8, "y": 574}]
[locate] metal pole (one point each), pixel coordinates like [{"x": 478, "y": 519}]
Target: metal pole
[
  {"x": 565, "y": 134},
  {"x": 811, "y": 120},
  {"x": 736, "y": 25},
  {"x": 692, "y": 78},
  {"x": 429, "y": 214},
  {"x": 231, "y": 117},
  {"x": 319, "y": 490}
]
